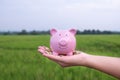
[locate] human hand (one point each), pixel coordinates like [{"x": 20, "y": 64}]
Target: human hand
[
  {"x": 101, "y": 63},
  {"x": 78, "y": 59}
]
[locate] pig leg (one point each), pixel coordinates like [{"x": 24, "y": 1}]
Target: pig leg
[
  {"x": 70, "y": 54},
  {"x": 54, "y": 53}
]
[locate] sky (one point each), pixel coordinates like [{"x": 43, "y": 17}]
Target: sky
[{"x": 16, "y": 15}]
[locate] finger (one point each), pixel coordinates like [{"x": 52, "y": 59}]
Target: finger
[
  {"x": 41, "y": 51},
  {"x": 48, "y": 52},
  {"x": 44, "y": 48}
]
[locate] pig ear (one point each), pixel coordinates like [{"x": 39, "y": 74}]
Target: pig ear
[
  {"x": 53, "y": 31},
  {"x": 73, "y": 31}
]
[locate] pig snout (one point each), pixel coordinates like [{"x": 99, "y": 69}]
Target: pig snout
[{"x": 62, "y": 42}]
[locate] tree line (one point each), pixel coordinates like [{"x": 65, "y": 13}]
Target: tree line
[{"x": 34, "y": 32}]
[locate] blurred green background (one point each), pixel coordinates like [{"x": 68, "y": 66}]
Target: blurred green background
[{"x": 20, "y": 60}]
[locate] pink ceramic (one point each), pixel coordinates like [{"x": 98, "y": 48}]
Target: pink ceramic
[{"x": 63, "y": 42}]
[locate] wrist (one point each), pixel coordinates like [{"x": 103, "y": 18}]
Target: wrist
[
  {"x": 84, "y": 59},
  {"x": 90, "y": 61}
]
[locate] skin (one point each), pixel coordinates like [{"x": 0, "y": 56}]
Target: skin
[{"x": 108, "y": 65}]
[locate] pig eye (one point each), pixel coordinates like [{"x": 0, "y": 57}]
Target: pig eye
[
  {"x": 66, "y": 35},
  {"x": 59, "y": 34}
]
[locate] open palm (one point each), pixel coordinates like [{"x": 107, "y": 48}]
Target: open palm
[{"x": 64, "y": 61}]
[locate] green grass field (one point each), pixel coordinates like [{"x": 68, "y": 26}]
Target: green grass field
[{"x": 19, "y": 59}]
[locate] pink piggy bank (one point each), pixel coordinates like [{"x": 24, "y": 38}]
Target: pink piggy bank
[{"x": 63, "y": 42}]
